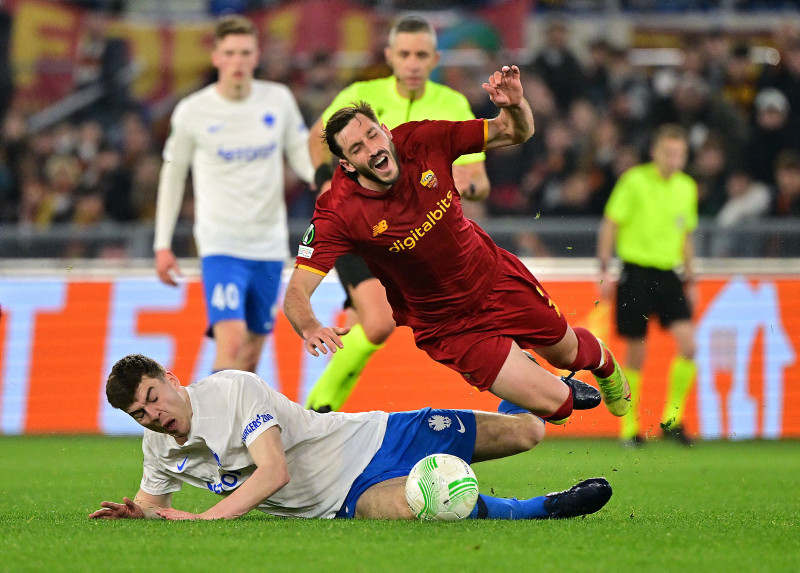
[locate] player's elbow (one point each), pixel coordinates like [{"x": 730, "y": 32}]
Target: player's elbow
[{"x": 283, "y": 478}]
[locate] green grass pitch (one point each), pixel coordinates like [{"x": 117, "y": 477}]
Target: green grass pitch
[{"x": 718, "y": 506}]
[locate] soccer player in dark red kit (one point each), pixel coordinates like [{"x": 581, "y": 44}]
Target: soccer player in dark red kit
[{"x": 472, "y": 306}]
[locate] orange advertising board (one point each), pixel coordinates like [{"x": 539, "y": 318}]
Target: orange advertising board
[{"x": 60, "y": 337}]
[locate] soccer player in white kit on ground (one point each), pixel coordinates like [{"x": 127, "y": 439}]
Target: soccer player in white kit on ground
[
  {"x": 234, "y": 135},
  {"x": 232, "y": 434}
]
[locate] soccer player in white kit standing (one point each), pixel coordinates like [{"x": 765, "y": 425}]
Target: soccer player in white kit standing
[{"x": 234, "y": 135}]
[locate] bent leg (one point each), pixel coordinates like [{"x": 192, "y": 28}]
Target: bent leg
[
  {"x": 526, "y": 384},
  {"x": 384, "y": 500},
  {"x": 501, "y": 435},
  {"x": 236, "y": 348},
  {"x": 373, "y": 310}
]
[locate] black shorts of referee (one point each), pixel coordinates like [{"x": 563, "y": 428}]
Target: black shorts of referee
[{"x": 646, "y": 291}]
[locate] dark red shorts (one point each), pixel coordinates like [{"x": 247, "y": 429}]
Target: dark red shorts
[{"x": 477, "y": 344}]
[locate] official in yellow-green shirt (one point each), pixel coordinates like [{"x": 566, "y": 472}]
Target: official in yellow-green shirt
[
  {"x": 407, "y": 95},
  {"x": 650, "y": 219}
]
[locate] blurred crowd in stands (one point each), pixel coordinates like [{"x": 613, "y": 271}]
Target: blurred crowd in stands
[{"x": 594, "y": 117}]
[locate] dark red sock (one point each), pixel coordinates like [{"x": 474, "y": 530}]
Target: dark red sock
[
  {"x": 589, "y": 352},
  {"x": 608, "y": 367},
  {"x": 563, "y": 411}
]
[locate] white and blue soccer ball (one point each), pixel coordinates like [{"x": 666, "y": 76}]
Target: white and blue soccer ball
[{"x": 441, "y": 487}]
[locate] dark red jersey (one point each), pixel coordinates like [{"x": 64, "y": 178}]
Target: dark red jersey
[{"x": 433, "y": 261}]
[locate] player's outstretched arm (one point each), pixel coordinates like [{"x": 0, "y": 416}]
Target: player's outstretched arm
[
  {"x": 514, "y": 123},
  {"x": 297, "y": 308},
  {"x": 144, "y": 506},
  {"x": 270, "y": 476}
]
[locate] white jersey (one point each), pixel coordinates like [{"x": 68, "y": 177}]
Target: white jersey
[
  {"x": 325, "y": 452},
  {"x": 235, "y": 150}
]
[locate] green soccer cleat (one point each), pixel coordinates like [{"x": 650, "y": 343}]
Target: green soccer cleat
[{"x": 614, "y": 389}]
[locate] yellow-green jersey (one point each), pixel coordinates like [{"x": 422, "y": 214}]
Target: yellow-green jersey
[
  {"x": 653, "y": 215},
  {"x": 437, "y": 102}
]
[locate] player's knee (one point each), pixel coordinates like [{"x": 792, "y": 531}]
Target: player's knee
[
  {"x": 378, "y": 331},
  {"x": 528, "y": 431}
]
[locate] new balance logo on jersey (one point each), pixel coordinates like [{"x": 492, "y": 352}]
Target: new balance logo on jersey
[
  {"x": 431, "y": 218},
  {"x": 379, "y": 228},
  {"x": 247, "y": 153},
  {"x": 215, "y": 128}
]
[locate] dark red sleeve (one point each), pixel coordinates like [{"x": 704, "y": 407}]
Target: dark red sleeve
[{"x": 324, "y": 241}]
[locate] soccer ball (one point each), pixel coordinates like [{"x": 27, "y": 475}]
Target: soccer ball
[{"x": 441, "y": 487}]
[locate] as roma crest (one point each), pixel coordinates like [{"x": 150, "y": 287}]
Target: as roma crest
[{"x": 429, "y": 180}]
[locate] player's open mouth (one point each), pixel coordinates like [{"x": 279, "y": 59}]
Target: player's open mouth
[
  {"x": 381, "y": 163},
  {"x": 170, "y": 425}
]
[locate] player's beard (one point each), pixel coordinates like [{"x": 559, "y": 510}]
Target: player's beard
[{"x": 368, "y": 173}]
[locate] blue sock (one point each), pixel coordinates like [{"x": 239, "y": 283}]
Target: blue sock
[
  {"x": 506, "y": 407},
  {"x": 501, "y": 508}
]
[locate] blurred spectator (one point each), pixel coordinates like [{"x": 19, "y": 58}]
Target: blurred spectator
[
  {"x": 715, "y": 52},
  {"x": 320, "y": 87},
  {"x": 741, "y": 80},
  {"x": 144, "y": 186},
  {"x": 786, "y": 202},
  {"x": 786, "y": 78},
  {"x": 543, "y": 180},
  {"x": 710, "y": 170},
  {"x": 769, "y": 135},
  {"x": 6, "y": 74},
  {"x": 598, "y": 90},
  {"x": 62, "y": 173},
  {"x": 103, "y": 61},
  {"x": 747, "y": 200},
  {"x": 558, "y": 67},
  {"x": 573, "y": 199},
  {"x": 14, "y": 140},
  {"x": 702, "y": 114},
  {"x": 630, "y": 101},
  {"x": 787, "y": 182},
  {"x": 582, "y": 122}
]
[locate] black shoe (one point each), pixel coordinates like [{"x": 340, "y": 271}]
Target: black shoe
[
  {"x": 676, "y": 433},
  {"x": 636, "y": 441},
  {"x": 322, "y": 409},
  {"x": 584, "y": 396},
  {"x": 583, "y": 498}
]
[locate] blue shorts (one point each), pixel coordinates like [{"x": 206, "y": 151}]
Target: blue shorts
[
  {"x": 410, "y": 436},
  {"x": 241, "y": 289}
]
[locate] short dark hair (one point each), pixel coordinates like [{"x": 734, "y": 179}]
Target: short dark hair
[
  {"x": 339, "y": 120},
  {"x": 412, "y": 25},
  {"x": 233, "y": 25},
  {"x": 125, "y": 377},
  {"x": 670, "y": 131}
]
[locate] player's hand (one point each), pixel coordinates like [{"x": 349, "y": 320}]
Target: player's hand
[
  {"x": 324, "y": 339},
  {"x": 606, "y": 285},
  {"x": 125, "y": 510},
  {"x": 167, "y": 267},
  {"x": 177, "y": 515},
  {"x": 691, "y": 292},
  {"x": 504, "y": 87}
]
